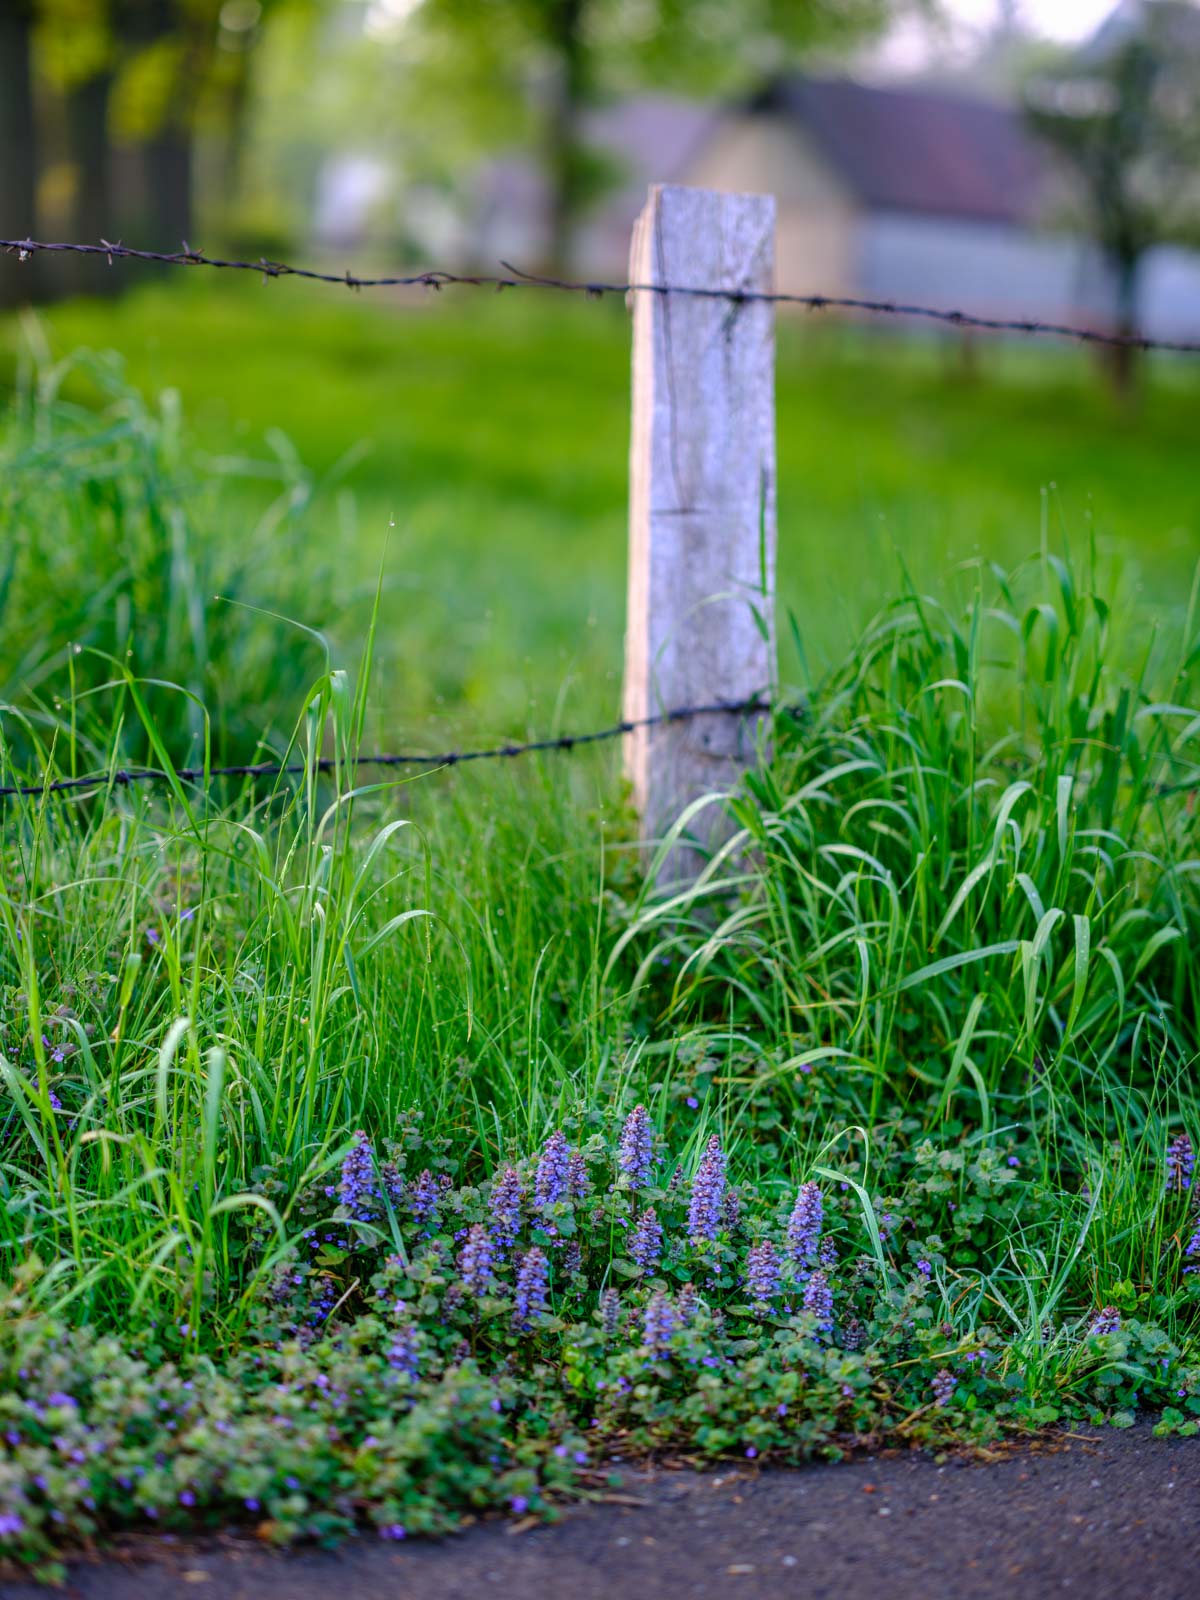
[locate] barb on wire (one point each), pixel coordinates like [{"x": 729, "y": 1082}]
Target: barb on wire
[
  {"x": 513, "y": 278},
  {"x": 124, "y": 777}
]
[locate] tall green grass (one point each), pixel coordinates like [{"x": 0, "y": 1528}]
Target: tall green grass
[
  {"x": 956, "y": 917},
  {"x": 126, "y": 548}
]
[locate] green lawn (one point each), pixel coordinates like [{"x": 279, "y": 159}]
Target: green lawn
[{"x": 493, "y": 432}]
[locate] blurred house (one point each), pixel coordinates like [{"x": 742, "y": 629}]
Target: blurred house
[
  {"x": 895, "y": 193},
  {"x": 900, "y": 193}
]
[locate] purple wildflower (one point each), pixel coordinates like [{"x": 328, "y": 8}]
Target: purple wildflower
[
  {"x": 356, "y": 1187},
  {"x": 402, "y": 1352},
  {"x": 475, "y": 1261},
  {"x": 1106, "y": 1320},
  {"x": 577, "y": 1176},
  {"x": 1192, "y": 1249},
  {"x": 1181, "y": 1163},
  {"x": 925, "y": 1268},
  {"x": 804, "y": 1226},
  {"x": 423, "y": 1198},
  {"x": 818, "y": 1301},
  {"x": 635, "y": 1154},
  {"x": 708, "y": 1194},
  {"x": 10, "y": 1525},
  {"x": 658, "y": 1323},
  {"x": 646, "y": 1245},
  {"x": 610, "y": 1312},
  {"x": 553, "y": 1172},
  {"x": 532, "y": 1291},
  {"x": 688, "y": 1304},
  {"x": 762, "y": 1274},
  {"x": 506, "y": 1206},
  {"x": 943, "y": 1386},
  {"x": 392, "y": 1530},
  {"x": 731, "y": 1211}
]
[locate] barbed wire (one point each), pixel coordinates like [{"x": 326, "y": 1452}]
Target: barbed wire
[
  {"x": 124, "y": 777},
  {"x": 514, "y": 278}
]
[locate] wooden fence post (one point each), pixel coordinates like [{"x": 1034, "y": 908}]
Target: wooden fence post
[{"x": 700, "y": 619}]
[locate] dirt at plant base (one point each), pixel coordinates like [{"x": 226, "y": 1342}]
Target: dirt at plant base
[{"x": 1100, "y": 1514}]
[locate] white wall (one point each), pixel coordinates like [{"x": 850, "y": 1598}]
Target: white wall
[
  {"x": 1170, "y": 294},
  {"x": 991, "y": 268},
  {"x": 1003, "y": 271}
]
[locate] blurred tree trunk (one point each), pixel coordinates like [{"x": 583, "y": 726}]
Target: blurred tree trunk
[
  {"x": 18, "y": 148},
  {"x": 237, "y": 127},
  {"x": 92, "y": 215},
  {"x": 167, "y": 162},
  {"x": 1123, "y": 363},
  {"x": 166, "y": 153},
  {"x": 563, "y": 145}
]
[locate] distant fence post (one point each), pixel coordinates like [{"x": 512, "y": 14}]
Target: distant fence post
[{"x": 700, "y": 617}]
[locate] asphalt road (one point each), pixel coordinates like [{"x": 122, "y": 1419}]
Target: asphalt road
[{"x": 1107, "y": 1515}]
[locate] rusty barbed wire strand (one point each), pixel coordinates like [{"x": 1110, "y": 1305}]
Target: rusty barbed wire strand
[
  {"x": 514, "y": 278},
  {"x": 123, "y": 777}
]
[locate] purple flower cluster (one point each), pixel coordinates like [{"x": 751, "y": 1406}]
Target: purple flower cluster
[
  {"x": 1106, "y": 1320},
  {"x": 804, "y": 1227},
  {"x": 635, "y": 1153},
  {"x": 708, "y": 1194},
  {"x": 356, "y": 1188},
  {"x": 532, "y": 1294},
  {"x": 818, "y": 1301},
  {"x": 762, "y": 1273},
  {"x": 646, "y": 1245},
  {"x": 402, "y": 1352},
  {"x": 1192, "y": 1250},
  {"x": 943, "y": 1386},
  {"x": 658, "y": 1323},
  {"x": 505, "y": 1207},
  {"x": 577, "y": 1176},
  {"x": 424, "y": 1196},
  {"x": 475, "y": 1261},
  {"x": 1181, "y": 1163},
  {"x": 552, "y": 1178},
  {"x": 610, "y": 1312}
]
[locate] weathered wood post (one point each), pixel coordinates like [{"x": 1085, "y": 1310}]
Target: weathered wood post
[{"x": 700, "y": 619}]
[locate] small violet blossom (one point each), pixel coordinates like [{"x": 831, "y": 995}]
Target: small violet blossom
[
  {"x": 635, "y": 1153},
  {"x": 804, "y": 1227},
  {"x": 553, "y": 1172},
  {"x": 475, "y": 1261},
  {"x": 646, "y": 1245},
  {"x": 708, "y": 1194}
]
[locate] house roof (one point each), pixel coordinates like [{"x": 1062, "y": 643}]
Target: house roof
[{"x": 928, "y": 151}]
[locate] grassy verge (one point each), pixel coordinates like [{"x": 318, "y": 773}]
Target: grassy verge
[{"x": 325, "y": 1194}]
